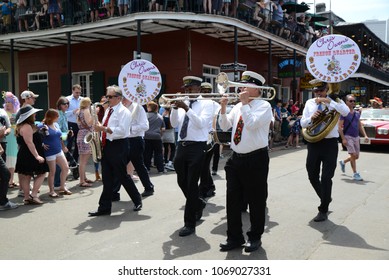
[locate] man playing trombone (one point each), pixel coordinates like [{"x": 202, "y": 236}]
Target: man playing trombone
[
  {"x": 247, "y": 168},
  {"x": 192, "y": 118}
]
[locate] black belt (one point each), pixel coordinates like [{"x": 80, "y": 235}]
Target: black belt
[
  {"x": 136, "y": 137},
  {"x": 189, "y": 143},
  {"x": 116, "y": 140},
  {"x": 250, "y": 153}
]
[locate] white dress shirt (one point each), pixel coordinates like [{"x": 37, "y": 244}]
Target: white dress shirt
[
  {"x": 139, "y": 123},
  {"x": 200, "y": 116},
  {"x": 119, "y": 122},
  {"x": 311, "y": 107},
  {"x": 73, "y": 105},
  {"x": 216, "y": 108},
  {"x": 256, "y": 116}
]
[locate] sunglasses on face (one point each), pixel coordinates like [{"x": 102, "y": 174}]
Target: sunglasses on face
[
  {"x": 351, "y": 101},
  {"x": 65, "y": 103},
  {"x": 110, "y": 96}
]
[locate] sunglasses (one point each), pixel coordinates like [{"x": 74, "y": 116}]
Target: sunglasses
[
  {"x": 65, "y": 103},
  {"x": 110, "y": 96},
  {"x": 351, "y": 101}
]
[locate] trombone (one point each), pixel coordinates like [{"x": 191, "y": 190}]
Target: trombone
[{"x": 222, "y": 85}]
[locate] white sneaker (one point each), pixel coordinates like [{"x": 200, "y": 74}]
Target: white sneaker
[
  {"x": 357, "y": 177},
  {"x": 169, "y": 166},
  {"x": 8, "y": 206}
]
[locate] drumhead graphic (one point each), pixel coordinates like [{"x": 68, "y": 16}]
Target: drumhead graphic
[
  {"x": 140, "y": 81},
  {"x": 333, "y": 58}
]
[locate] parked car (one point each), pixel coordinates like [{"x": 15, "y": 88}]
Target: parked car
[{"x": 376, "y": 124}]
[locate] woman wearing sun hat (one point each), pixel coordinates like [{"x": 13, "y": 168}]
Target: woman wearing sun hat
[{"x": 30, "y": 161}]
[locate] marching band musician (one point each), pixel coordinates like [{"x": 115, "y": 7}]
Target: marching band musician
[
  {"x": 325, "y": 151},
  {"x": 248, "y": 167},
  {"x": 193, "y": 123},
  {"x": 114, "y": 137},
  {"x": 207, "y": 186},
  {"x": 139, "y": 124}
]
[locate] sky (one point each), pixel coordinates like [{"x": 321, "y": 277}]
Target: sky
[{"x": 354, "y": 10}]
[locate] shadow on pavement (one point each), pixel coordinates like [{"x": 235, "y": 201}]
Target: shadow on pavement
[{"x": 341, "y": 236}]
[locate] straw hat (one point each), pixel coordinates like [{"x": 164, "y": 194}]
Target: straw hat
[{"x": 25, "y": 112}]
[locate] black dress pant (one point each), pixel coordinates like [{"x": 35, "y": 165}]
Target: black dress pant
[
  {"x": 216, "y": 157},
  {"x": 114, "y": 166},
  {"x": 4, "y": 182},
  {"x": 247, "y": 178},
  {"x": 206, "y": 181},
  {"x": 323, "y": 153},
  {"x": 188, "y": 163},
  {"x": 137, "y": 147}
]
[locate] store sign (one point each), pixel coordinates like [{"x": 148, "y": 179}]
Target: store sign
[
  {"x": 286, "y": 67},
  {"x": 304, "y": 81},
  {"x": 358, "y": 91},
  {"x": 333, "y": 58},
  {"x": 231, "y": 67}
]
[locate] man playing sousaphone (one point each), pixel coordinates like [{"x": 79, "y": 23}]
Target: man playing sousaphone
[
  {"x": 325, "y": 151},
  {"x": 248, "y": 167}
]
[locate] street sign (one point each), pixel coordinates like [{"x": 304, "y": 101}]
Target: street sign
[{"x": 231, "y": 67}]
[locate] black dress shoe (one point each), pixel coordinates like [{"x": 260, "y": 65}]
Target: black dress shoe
[
  {"x": 320, "y": 217},
  {"x": 137, "y": 207},
  {"x": 252, "y": 246},
  {"x": 99, "y": 213},
  {"x": 147, "y": 193},
  {"x": 185, "y": 231},
  {"x": 116, "y": 198},
  {"x": 230, "y": 245},
  {"x": 199, "y": 213}
]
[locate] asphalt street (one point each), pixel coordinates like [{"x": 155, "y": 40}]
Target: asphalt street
[{"x": 357, "y": 228}]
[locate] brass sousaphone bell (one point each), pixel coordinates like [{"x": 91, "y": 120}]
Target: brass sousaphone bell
[{"x": 327, "y": 120}]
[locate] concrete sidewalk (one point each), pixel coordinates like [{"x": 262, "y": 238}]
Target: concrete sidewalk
[{"x": 357, "y": 228}]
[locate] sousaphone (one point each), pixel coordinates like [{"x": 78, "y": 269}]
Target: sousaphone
[{"x": 331, "y": 59}]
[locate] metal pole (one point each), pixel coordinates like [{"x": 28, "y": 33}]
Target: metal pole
[
  {"x": 12, "y": 66},
  {"x": 294, "y": 82},
  {"x": 138, "y": 49},
  {"x": 330, "y": 31},
  {"x": 69, "y": 50},
  {"x": 236, "y": 54},
  {"x": 270, "y": 66}
]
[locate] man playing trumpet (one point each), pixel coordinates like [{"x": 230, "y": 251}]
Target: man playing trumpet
[{"x": 248, "y": 167}]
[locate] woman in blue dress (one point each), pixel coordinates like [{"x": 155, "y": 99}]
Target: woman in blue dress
[{"x": 53, "y": 150}]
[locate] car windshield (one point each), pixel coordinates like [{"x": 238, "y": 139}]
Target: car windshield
[{"x": 375, "y": 114}]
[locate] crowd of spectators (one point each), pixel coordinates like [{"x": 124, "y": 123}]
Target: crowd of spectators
[
  {"x": 264, "y": 14},
  {"x": 378, "y": 64}
]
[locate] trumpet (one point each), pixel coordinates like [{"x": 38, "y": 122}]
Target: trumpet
[{"x": 268, "y": 93}]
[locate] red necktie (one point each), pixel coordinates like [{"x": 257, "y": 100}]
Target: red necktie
[
  {"x": 238, "y": 131},
  {"x": 104, "y": 135}
]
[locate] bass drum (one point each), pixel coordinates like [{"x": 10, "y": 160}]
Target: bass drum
[{"x": 222, "y": 137}]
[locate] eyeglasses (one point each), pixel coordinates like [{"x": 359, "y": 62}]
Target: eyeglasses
[
  {"x": 110, "y": 96},
  {"x": 65, "y": 103},
  {"x": 351, "y": 101}
]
